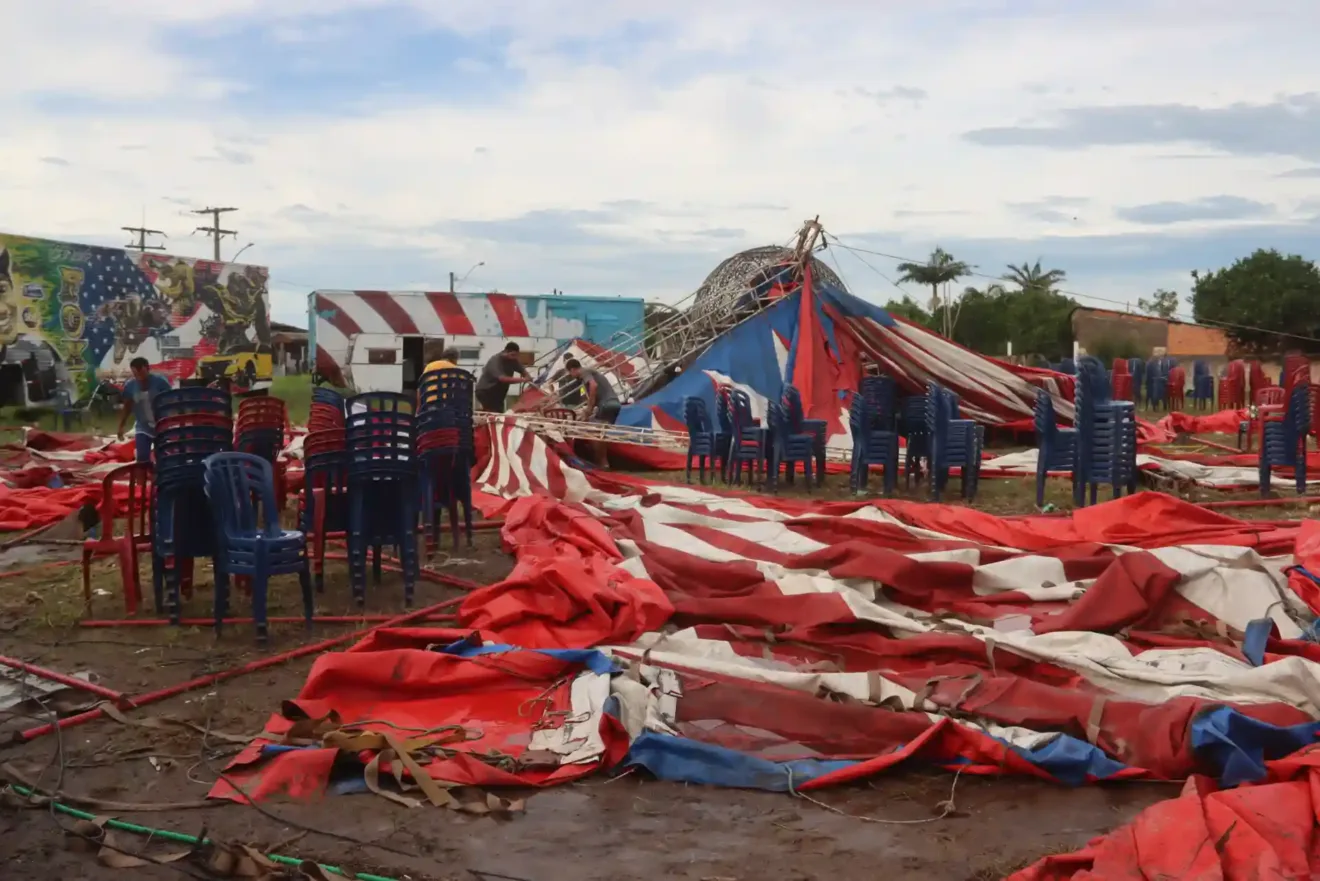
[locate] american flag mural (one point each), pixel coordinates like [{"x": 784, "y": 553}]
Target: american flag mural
[{"x": 99, "y": 307}]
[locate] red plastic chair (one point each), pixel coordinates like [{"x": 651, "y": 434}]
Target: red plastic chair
[
  {"x": 1176, "y": 391},
  {"x": 136, "y": 536}
]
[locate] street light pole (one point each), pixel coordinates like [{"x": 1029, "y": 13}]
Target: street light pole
[{"x": 474, "y": 268}]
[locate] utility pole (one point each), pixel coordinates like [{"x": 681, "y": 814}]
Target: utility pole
[
  {"x": 214, "y": 230},
  {"x": 451, "y": 282},
  {"x": 142, "y": 233}
]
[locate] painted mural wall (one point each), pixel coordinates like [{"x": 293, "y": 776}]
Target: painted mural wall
[{"x": 98, "y": 308}]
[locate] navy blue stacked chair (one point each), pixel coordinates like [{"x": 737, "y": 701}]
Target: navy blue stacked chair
[
  {"x": 1106, "y": 436},
  {"x": 724, "y": 436},
  {"x": 912, "y": 428},
  {"x": 703, "y": 440},
  {"x": 1056, "y": 448},
  {"x": 1068, "y": 366},
  {"x": 380, "y": 434},
  {"x": 953, "y": 442},
  {"x": 817, "y": 428},
  {"x": 1137, "y": 367},
  {"x": 191, "y": 425},
  {"x": 748, "y": 443},
  {"x": 1203, "y": 386},
  {"x": 874, "y": 442},
  {"x": 788, "y": 447},
  {"x": 249, "y": 541},
  {"x": 1283, "y": 443},
  {"x": 445, "y": 448}
]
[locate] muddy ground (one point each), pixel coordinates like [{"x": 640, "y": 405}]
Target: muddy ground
[{"x": 624, "y": 828}]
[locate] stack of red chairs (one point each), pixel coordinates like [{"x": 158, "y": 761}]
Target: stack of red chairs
[
  {"x": 260, "y": 431},
  {"x": 1121, "y": 380},
  {"x": 1268, "y": 401},
  {"x": 1258, "y": 378},
  {"x": 324, "y": 506},
  {"x": 1233, "y": 387},
  {"x": 325, "y": 415},
  {"x": 1177, "y": 388}
]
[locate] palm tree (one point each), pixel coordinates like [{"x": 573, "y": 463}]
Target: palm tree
[
  {"x": 1033, "y": 278},
  {"x": 940, "y": 269}
]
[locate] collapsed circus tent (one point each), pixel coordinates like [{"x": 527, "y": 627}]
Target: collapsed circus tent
[{"x": 817, "y": 337}]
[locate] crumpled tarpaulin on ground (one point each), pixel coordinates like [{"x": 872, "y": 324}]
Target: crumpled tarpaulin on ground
[{"x": 791, "y": 644}]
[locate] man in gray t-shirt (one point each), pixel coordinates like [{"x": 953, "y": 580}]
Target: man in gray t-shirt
[
  {"x": 603, "y": 404},
  {"x": 500, "y": 372}
]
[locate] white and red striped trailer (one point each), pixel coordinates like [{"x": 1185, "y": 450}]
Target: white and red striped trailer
[{"x": 372, "y": 340}]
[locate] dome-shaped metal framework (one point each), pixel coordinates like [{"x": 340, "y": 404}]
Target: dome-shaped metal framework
[{"x": 720, "y": 293}]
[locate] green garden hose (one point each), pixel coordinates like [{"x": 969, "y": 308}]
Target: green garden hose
[{"x": 180, "y": 837}]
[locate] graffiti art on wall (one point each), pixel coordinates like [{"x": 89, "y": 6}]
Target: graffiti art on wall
[{"x": 99, "y": 308}]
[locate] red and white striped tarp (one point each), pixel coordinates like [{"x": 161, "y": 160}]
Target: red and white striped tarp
[{"x": 836, "y": 639}]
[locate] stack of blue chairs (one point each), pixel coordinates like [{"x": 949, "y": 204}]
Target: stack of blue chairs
[
  {"x": 704, "y": 442},
  {"x": 788, "y": 446},
  {"x": 912, "y": 428},
  {"x": 874, "y": 435},
  {"x": 249, "y": 541},
  {"x": 1056, "y": 448},
  {"x": 1068, "y": 366},
  {"x": 748, "y": 439},
  {"x": 1106, "y": 436},
  {"x": 1157, "y": 381},
  {"x": 380, "y": 434},
  {"x": 953, "y": 441},
  {"x": 325, "y": 484},
  {"x": 191, "y": 425},
  {"x": 817, "y": 428},
  {"x": 445, "y": 448},
  {"x": 724, "y": 436},
  {"x": 1137, "y": 367},
  {"x": 1284, "y": 441},
  {"x": 1203, "y": 386}
]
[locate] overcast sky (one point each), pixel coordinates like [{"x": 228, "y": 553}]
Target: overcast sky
[{"x": 626, "y": 147}]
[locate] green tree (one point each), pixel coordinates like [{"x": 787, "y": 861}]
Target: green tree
[
  {"x": 940, "y": 270},
  {"x": 1032, "y": 277},
  {"x": 1265, "y": 302},
  {"x": 906, "y": 308},
  {"x": 1162, "y": 303}
]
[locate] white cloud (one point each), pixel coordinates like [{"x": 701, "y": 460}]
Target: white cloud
[{"x": 741, "y": 104}]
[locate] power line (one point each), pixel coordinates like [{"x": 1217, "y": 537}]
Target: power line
[
  {"x": 214, "y": 230},
  {"x": 1187, "y": 318},
  {"x": 142, "y": 233}
]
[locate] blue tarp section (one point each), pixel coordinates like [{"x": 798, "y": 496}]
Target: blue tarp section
[
  {"x": 1238, "y": 746},
  {"x": 595, "y": 661},
  {"x": 682, "y": 760},
  {"x": 745, "y": 354},
  {"x": 1072, "y": 761}
]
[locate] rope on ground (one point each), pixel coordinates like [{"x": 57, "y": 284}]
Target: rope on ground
[{"x": 945, "y": 807}]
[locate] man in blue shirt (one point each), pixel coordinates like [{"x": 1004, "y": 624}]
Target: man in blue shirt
[{"x": 139, "y": 393}]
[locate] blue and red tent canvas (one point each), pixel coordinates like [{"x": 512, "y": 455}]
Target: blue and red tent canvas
[{"x": 817, "y": 338}]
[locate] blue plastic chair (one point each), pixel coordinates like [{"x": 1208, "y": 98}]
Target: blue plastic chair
[
  {"x": 383, "y": 473},
  {"x": 192, "y": 399},
  {"x": 182, "y": 522},
  {"x": 787, "y": 447},
  {"x": 1106, "y": 436},
  {"x": 872, "y": 445},
  {"x": 953, "y": 441},
  {"x": 703, "y": 440},
  {"x": 748, "y": 444},
  {"x": 912, "y": 427},
  {"x": 724, "y": 437},
  {"x": 1068, "y": 366},
  {"x": 799, "y": 424},
  {"x": 248, "y": 538},
  {"x": 1284, "y": 441},
  {"x": 1056, "y": 448},
  {"x": 327, "y": 473}
]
